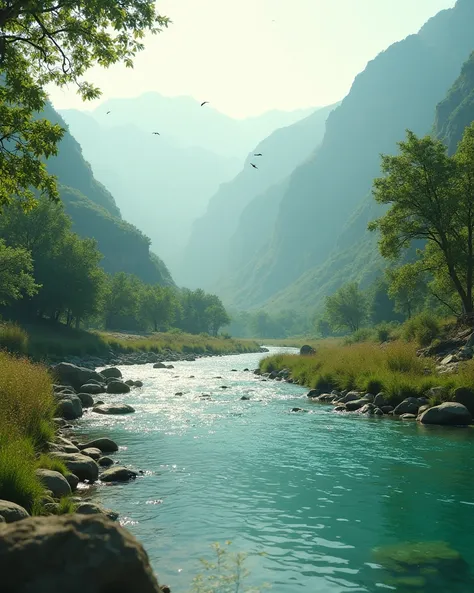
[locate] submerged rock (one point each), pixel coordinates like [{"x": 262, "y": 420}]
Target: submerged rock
[
  {"x": 80, "y": 465},
  {"x": 104, "y": 444},
  {"x": 118, "y": 473},
  {"x": 113, "y": 409},
  {"x": 116, "y": 386},
  {"x": 111, "y": 373},
  {"x": 73, "y": 554},
  {"x": 448, "y": 414}
]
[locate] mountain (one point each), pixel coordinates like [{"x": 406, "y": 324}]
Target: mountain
[
  {"x": 399, "y": 89},
  {"x": 160, "y": 187},
  {"x": 213, "y": 250},
  {"x": 95, "y": 214},
  {"x": 188, "y": 124},
  {"x": 456, "y": 112}
]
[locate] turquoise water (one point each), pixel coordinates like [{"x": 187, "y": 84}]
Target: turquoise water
[{"x": 315, "y": 492}]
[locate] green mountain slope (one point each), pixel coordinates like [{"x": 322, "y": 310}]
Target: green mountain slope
[
  {"x": 95, "y": 214},
  {"x": 399, "y": 89},
  {"x": 212, "y": 251}
]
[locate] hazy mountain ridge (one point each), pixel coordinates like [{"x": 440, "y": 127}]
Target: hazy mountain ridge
[
  {"x": 220, "y": 240},
  {"x": 399, "y": 89},
  {"x": 95, "y": 214}
]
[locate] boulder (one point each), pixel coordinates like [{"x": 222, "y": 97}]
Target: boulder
[
  {"x": 12, "y": 512},
  {"x": 465, "y": 396},
  {"x": 87, "y": 400},
  {"x": 307, "y": 350},
  {"x": 449, "y": 359},
  {"x": 118, "y": 473},
  {"x": 89, "y": 508},
  {"x": 387, "y": 409},
  {"x": 92, "y": 388},
  {"x": 245, "y": 398},
  {"x": 341, "y": 408},
  {"x": 409, "y": 405},
  {"x": 111, "y": 373},
  {"x": 92, "y": 452},
  {"x": 69, "y": 407},
  {"x": 60, "y": 422},
  {"x": 103, "y": 444},
  {"x": 73, "y": 554},
  {"x": 369, "y": 397},
  {"x": 159, "y": 365},
  {"x": 408, "y": 417},
  {"x": 423, "y": 408},
  {"x": 367, "y": 409},
  {"x": 113, "y": 409},
  {"x": 314, "y": 393},
  {"x": 130, "y": 382},
  {"x": 378, "y": 412},
  {"x": 138, "y": 383},
  {"x": 447, "y": 414},
  {"x": 350, "y": 397},
  {"x": 75, "y": 376},
  {"x": 55, "y": 482},
  {"x": 116, "y": 386},
  {"x": 73, "y": 481},
  {"x": 354, "y": 405},
  {"x": 105, "y": 461},
  {"x": 66, "y": 445},
  {"x": 80, "y": 465},
  {"x": 380, "y": 400}
]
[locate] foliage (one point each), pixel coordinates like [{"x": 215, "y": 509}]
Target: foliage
[
  {"x": 55, "y": 42},
  {"x": 158, "y": 307},
  {"x": 226, "y": 574},
  {"x": 16, "y": 279},
  {"x": 347, "y": 308},
  {"x": 393, "y": 368},
  {"x": 45, "y": 461},
  {"x": 13, "y": 338},
  {"x": 382, "y": 304},
  {"x": 423, "y": 328},
  {"x": 430, "y": 198},
  {"x": 201, "y": 312}
]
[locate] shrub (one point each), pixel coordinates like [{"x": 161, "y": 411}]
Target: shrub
[
  {"x": 364, "y": 334},
  {"x": 423, "y": 328},
  {"x": 13, "y": 338}
]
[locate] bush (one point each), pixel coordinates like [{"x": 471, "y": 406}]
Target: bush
[
  {"x": 423, "y": 329},
  {"x": 13, "y": 339},
  {"x": 386, "y": 331},
  {"x": 364, "y": 334}
]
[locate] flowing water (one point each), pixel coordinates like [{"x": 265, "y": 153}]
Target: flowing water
[{"x": 315, "y": 492}]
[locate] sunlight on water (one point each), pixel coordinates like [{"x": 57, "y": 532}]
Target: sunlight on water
[{"x": 317, "y": 492}]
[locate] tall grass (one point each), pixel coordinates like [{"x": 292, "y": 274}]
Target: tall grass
[
  {"x": 13, "y": 338},
  {"x": 26, "y": 414},
  {"x": 393, "y": 368}
]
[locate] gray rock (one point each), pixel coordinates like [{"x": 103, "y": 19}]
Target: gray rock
[
  {"x": 368, "y": 408},
  {"x": 117, "y": 387},
  {"x": 55, "y": 482},
  {"x": 408, "y": 417},
  {"x": 69, "y": 407},
  {"x": 465, "y": 396},
  {"x": 447, "y": 414},
  {"x": 314, "y": 393},
  {"x": 369, "y": 397},
  {"x": 352, "y": 396},
  {"x": 92, "y": 452},
  {"x": 60, "y": 422},
  {"x": 423, "y": 408},
  {"x": 341, "y": 408},
  {"x": 378, "y": 412},
  {"x": 113, "y": 409},
  {"x": 73, "y": 481},
  {"x": 64, "y": 445},
  {"x": 130, "y": 382},
  {"x": 245, "y": 398},
  {"x": 87, "y": 400},
  {"x": 354, "y": 405},
  {"x": 12, "y": 512},
  {"x": 80, "y": 465},
  {"x": 89, "y": 508},
  {"x": 118, "y": 473},
  {"x": 105, "y": 461},
  {"x": 387, "y": 409},
  {"x": 380, "y": 400},
  {"x": 73, "y": 554},
  {"x": 75, "y": 376},
  {"x": 159, "y": 365},
  {"x": 138, "y": 383},
  {"x": 111, "y": 373},
  {"x": 409, "y": 405},
  {"x": 438, "y": 393},
  {"x": 92, "y": 389},
  {"x": 103, "y": 444},
  {"x": 449, "y": 359}
]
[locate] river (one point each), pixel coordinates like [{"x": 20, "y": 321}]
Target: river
[{"x": 315, "y": 492}]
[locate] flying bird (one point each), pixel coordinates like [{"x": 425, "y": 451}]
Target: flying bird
[
  {"x": 156, "y": 133},
  {"x": 107, "y": 112},
  {"x": 204, "y": 103},
  {"x": 254, "y": 166},
  {"x": 258, "y": 154}
]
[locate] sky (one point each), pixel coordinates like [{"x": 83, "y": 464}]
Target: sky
[{"x": 251, "y": 56}]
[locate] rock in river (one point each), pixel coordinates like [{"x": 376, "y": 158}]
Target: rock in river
[
  {"x": 410, "y": 405},
  {"x": 92, "y": 452},
  {"x": 69, "y": 407},
  {"x": 70, "y": 374},
  {"x": 113, "y": 409},
  {"x": 87, "y": 400},
  {"x": 111, "y": 373},
  {"x": 80, "y": 465},
  {"x": 92, "y": 388},
  {"x": 73, "y": 554},
  {"x": 12, "y": 512},
  {"x": 118, "y": 473},
  {"x": 117, "y": 387},
  {"x": 448, "y": 414},
  {"x": 105, "y": 461},
  {"x": 54, "y": 481},
  {"x": 104, "y": 444}
]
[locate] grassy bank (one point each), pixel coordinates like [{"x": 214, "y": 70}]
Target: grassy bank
[
  {"x": 393, "y": 368},
  {"x": 45, "y": 340},
  {"x": 26, "y": 425}
]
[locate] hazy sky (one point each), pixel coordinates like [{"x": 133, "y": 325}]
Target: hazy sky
[{"x": 250, "y": 56}]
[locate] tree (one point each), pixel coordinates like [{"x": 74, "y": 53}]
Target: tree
[
  {"x": 158, "y": 306},
  {"x": 408, "y": 288},
  {"x": 16, "y": 279},
  {"x": 55, "y": 42},
  {"x": 121, "y": 302},
  {"x": 431, "y": 199},
  {"x": 323, "y": 328},
  {"x": 216, "y": 317},
  {"x": 347, "y": 308}
]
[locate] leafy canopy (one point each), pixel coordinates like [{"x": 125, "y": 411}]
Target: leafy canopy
[
  {"x": 55, "y": 42},
  {"x": 16, "y": 279},
  {"x": 347, "y": 308},
  {"x": 431, "y": 200}
]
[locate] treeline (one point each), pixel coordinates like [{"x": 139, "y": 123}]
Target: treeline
[
  {"x": 261, "y": 324},
  {"x": 47, "y": 271}
]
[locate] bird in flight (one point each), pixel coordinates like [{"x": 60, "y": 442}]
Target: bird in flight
[
  {"x": 254, "y": 166},
  {"x": 107, "y": 112},
  {"x": 258, "y": 154},
  {"x": 204, "y": 103},
  {"x": 156, "y": 133}
]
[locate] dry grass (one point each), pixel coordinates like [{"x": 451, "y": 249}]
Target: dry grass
[{"x": 393, "y": 368}]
